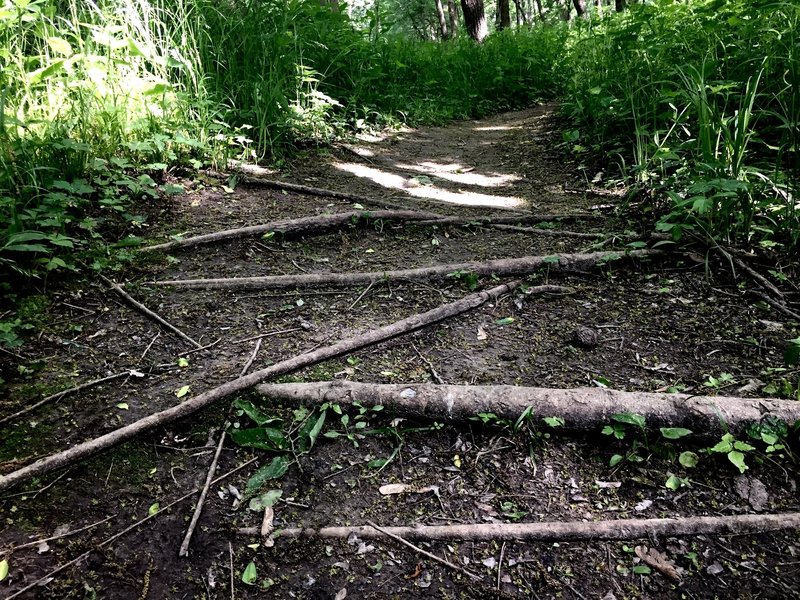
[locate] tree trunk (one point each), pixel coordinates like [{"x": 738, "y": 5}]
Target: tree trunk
[
  {"x": 522, "y": 16},
  {"x": 442, "y": 20},
  {"x": 580, "y": 7},
  {"x": 475, "y": 19},
  {"x": 503, "y": 14},
  {"x": 452, "y": 11},
  {"x": 619, "y": 5},
  {"x": 540, "y": 10}
]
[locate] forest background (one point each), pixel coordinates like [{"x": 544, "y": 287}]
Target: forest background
[{"x": 694, "y": 104}]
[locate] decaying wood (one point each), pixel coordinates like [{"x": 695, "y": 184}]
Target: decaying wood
[
  {"x": 187, "y": 539},
  {"x": 192, "y": 405},
  {"x": 570, "y": 531},
  {"x": 304, "y": 225},
  {"x": 149, "y": 313},
  {"x": 583, "y": 409},
  {"x": 506, "y": 266}
]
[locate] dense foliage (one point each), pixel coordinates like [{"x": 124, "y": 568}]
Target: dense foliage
[{"x": 698, "y": 101}]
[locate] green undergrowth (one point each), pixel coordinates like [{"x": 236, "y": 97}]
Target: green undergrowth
[
  {"x": 700, "y": 103},
  {"x": 102, "y": 103},
  {"x": 105, "y": 106}
]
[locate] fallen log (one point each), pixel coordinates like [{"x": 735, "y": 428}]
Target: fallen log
[
  {"x": 506, "y": 266},
  {"x": 571, "y": 531},
  {"x": 582, "y": 409},
  {"x": 188, "y": 407},
  {"x": 315, "y": 224}
]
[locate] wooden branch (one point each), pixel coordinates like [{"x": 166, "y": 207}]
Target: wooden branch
[
  {"x": 192, "y": 405},
  {"x": 620, "y": 529},
  {"x": 249, "y": 174},
  {"x": 305, "y": 225},
  {"x": 149, "y": 313},
  {"x": 583, "y": 409},
  {"x": 549, "y": 232},
  {"x": 184, "y": 551},
  {"x": 506, "y": 266}
]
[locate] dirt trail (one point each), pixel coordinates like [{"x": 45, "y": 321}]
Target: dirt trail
[{"x": 659, "y": 326}]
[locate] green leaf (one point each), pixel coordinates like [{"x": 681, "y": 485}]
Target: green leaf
[
  {"x": 737, "y": 458},
  {"x": 274, "y": 470},
  {"x": 641, "y": 570},
  {"x": 615, "y": 460},
  {"x": 249, "y": 576},
  {"x": 314, "y": 433},
  {"x": 259, "y": 503},
  {"x": 674, "y": 483},
  {"x": 674, "y": 433},
  {"x": 743, "y": 446},
  {"x": 608, "y": 430},
  {"x": 630, "y": 419},
  {"x": 183, "y": 362},
  {"x": 253, "y": 413},
  {"x": 45, "y": 72},
  {"x": 183, "y": 391},
  {"x": 505, "y": 321},
  {"x": 60, "y": 46},
  {"x": 688, "y": 459},
  {"x": 154, "y": 508},
  {"x": 3, "y": 569},
  {"x": 263, "y": 438},
  {"x": 792, "y": 354},
  {"x": 554, "y": 421}
]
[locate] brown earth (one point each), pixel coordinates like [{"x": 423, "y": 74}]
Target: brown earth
[{"x": 680, "y": 323}]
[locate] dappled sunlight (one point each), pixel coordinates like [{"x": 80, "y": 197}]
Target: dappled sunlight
[
  {"x": 458, "y": 173},
  {"x": 412, "y": 187},
  {"x": 496, "y": 128}
]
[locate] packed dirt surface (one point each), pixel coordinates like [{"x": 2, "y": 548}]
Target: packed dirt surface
[{"x": 680, "y": 322}]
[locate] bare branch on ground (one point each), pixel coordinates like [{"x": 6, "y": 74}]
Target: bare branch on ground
[
  {"x": 582, "y": 409},
  {"x": 619, "y": 529},
  {"x": 192, "y": 405},
  {"x": 506, "y": 266}
]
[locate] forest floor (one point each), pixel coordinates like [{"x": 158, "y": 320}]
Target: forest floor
[{"x": 678, "y": 322}]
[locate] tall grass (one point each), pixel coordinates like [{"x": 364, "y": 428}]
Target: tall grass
[
  {"x": 709, "y": 93},
  {"x": 100, "y": 98}
]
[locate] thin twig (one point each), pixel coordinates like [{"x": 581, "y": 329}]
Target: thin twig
[
  {"x": 760, "y": 279},
  {"x": 252, "y": 358},
  {"x": 364, "y": 293},
  {"x": 184, "y": 551},
  {"x": 211, "y": 345},
  {"x": 268, "y": 334},
  {"x": 230, "y": 554},
  {"x": 150, "y": 345},
  {"x": 116, "y": 536},
  {"x": 434, "y": 374},
  {"x": 500, "y": 565},
  {"x": 419, "y": 550},
  {"x": 62, "y": 393},
  {"x": 58, "y": 537},
  {"x": 40, "y": 490},
  {"x": 149, "y": 313},
  {"x": 781, "y": 308}
]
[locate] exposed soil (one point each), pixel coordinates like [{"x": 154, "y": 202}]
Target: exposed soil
[{"x": 679, "y": 323}]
